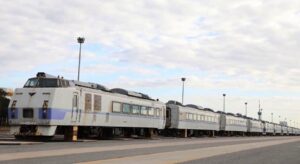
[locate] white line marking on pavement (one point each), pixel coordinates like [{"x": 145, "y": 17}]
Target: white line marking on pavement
[
  {"x": 189, "y": 155},
  {"x": 74, "y": 151}
]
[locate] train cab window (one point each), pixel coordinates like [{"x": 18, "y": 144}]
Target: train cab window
[
  {"x": 126, "y": 108},
  {"x": 31, "y": 83},
  {"x": 144, "y": 110},
  {"x": 116, "y": 107},
  {"x": 97, "y": 103},
  {"x": 151, "y": 111},
  {"x": 88, "y": 102},
  {"x": 136, "y": 109}
]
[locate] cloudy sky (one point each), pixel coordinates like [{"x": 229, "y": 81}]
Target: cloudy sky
[{"x": 248, "y": 49}]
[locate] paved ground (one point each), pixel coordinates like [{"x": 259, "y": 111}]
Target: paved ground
[{"x": 164, "y": 150}]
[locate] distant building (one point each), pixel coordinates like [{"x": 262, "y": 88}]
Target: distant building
[{"x": 284, "y": 123}]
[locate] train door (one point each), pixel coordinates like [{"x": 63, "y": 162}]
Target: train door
[
  {"x": 168, "y": 117},
  {"x": 75, "y": 108}
]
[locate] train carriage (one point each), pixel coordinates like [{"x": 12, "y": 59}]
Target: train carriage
[
  {"x": 278, "y": 129},
  {"x": 47, "y": 103},
  {"x": 255, "y": 126},
  {"x": 269, "y": 128},
  {"x": 284, "y": 130},
  {"x": 191, "y": 117},
  {"x": 230, "y": 123}
]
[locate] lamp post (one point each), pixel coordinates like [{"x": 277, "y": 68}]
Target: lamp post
[
  {"x": 246, "y": 108},
  {"x": 183, "y": 80},
  {"x": 271, "y": 117},
  {"x": 224, "y": 95},
  {"x": 279, "y": 119},
  {"x": 80, "y": 40}
]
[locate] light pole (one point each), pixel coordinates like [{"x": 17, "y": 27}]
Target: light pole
[
  {"x": 80, "y": 40},
  {"x": 246, "y": 108},
  {"x": 279, "y": 119},
  {"x": 271, "y": 117},
  {"x": 183, "y": 80},
  {"x": 224, "y": 95}
]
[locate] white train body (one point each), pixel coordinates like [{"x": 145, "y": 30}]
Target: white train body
[
  {"x": 255, "y": 126},
  {"x": 234, "y": 123},
  {"x": 47, "y": 103},
  {"x": 184, "y": 117},
  {"x": 269, "y": 128},
  {"x": 278, "y": 129},
  {"x": 77, "y": 105}
]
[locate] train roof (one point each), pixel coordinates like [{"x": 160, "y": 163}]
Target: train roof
[
  {"x": 208, "y": 109},
  {"x": 174, "y": 102},
  {"x": 130, "y": 93},
  {"x": 195, "y": 106},
  {"x": 96, "y": 86}
]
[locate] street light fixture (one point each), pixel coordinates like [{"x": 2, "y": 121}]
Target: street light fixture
[
  {"x": 183, "y": 80},
  {"x": 224, "y": 95},
  {"x": 80, "y": 40},
  {"x": 246, "y": 108}
]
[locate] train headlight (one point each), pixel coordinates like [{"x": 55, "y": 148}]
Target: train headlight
[{"x": 45, "y": 109}]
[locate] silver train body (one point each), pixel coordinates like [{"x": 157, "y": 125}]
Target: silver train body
[
  {"x": 40, "y": 110},
  {"x": 193, "y": 117},
  {"x": 47, "y": 103}
]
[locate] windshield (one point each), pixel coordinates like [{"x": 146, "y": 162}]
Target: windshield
[{"x": 41, "y": 83}]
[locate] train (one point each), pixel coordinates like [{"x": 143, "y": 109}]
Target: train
[{"x": 50, "y": 105}]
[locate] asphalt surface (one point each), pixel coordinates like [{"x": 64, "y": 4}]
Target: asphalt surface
[
  {"x": 279, "y": 154},
  {"x": 276, "y": 150}
]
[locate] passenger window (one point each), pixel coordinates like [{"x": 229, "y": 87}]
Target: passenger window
[
  {"x": 88, "y": 102},
  {"x": 136, "y": 109},
  {"x": 116, "y": 107},
  {"x": 126, "y": 108},
  {"x": 75, "y": 101},
  {"x": 144, "y": 110},
  {"x": 157, "y": 112},
  {"x": 97, "y": 103},
  {"x": 194, "y": 117},
  {"x": 151, "y": 111}
]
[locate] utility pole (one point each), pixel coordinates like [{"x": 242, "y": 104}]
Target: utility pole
[
  {"x": 246, "y": 108},
  {"x": 224, "y": 95},
  {"x": 80, "y": 40},
  {"x": 272, "y": 117},
  {"x": 182, "y": 96}
]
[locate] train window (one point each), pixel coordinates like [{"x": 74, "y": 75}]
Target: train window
[
  {"x": 194, "y": 116},
  {"x": 116, "y": 107},
  {"x": 75, "y": 101},
  {"x": 126, "y": 108},
  {"x": 136, "y": 109},
  {"x": 198, "y": 117},
  {"x": 190, "y": 116},
  {"x": 97, "y": 103},
  {"x": 88, "y": 102},
  {"x": 151, "y": 111},
  {"x": 144, "y": 110},
  {"x": 157, "y": 112},
  {"x": 31, "y": 83}
]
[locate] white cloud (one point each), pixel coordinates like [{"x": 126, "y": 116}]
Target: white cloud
[{"x": 245, "y": 45}]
